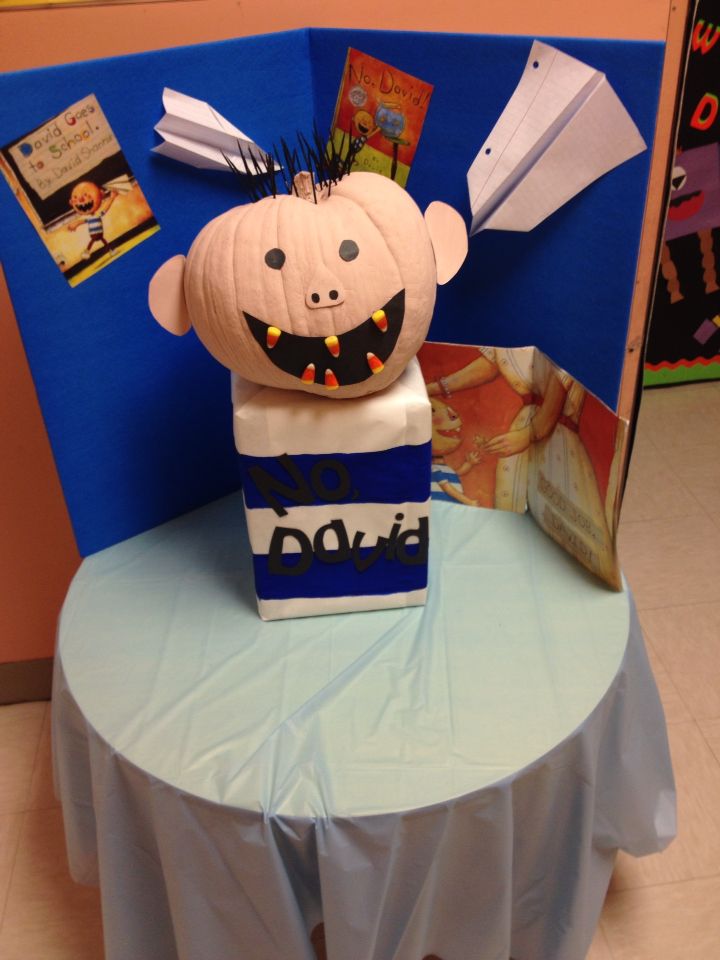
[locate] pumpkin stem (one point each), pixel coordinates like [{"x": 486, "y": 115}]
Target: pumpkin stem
[{"x": 304, "y": 185}]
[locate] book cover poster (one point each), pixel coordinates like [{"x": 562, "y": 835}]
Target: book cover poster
[
  {"x": 512, "y": 431},
  {"x": 76, "y": 187},
  {"x": 381, "y": 111}
]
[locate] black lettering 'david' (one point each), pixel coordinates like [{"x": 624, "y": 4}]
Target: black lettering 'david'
[
  {"x": 331, "y": 544},
  {"x": 329, "y": 481}
]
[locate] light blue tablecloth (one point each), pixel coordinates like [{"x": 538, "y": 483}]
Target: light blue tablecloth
[{"x": 450, "y": 780}]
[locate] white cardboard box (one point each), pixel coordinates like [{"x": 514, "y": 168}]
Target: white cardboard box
[{"x": 337, "y": 496}]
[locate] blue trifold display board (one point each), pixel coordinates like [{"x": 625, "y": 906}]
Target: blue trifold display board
[{"x": 140, "y": 422}]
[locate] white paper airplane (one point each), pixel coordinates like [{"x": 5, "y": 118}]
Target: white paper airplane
[
  {"x": 195, "y": 133},
  {"x": 563, "y": 127},
  {"x": 122, "y": 184}
]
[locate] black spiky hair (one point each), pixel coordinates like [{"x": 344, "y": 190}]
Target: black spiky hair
[{"x": 326, "y": 162}]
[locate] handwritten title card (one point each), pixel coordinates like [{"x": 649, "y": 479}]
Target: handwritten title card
[
  {"x": 76, "y": 187},
  {"x": 381, "y": 111}
]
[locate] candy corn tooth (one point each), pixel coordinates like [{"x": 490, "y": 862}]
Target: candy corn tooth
[
  {"x": 379, "y": 318},
  {"x": 331, "y": 381},
  {"x": 273, "y": 335},
  {"x": 308, "y": 374},
  {"x": 333, "y": 345},
  {"x": 376, "y": 365}
]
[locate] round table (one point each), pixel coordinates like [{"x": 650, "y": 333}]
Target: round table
[{"x": 450, "y": 781}]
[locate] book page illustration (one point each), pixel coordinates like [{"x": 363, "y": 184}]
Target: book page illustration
[{"x": 512, "y": 431}]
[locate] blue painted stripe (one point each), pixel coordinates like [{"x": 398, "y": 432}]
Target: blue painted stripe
[
  {"x": 398, "y": 475},
  {"x": 339, "y": 579}
]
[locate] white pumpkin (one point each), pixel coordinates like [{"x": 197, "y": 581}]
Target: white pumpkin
[{"x": 332, "y": 297}]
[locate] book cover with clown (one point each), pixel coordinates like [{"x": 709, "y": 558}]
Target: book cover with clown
[{"x": 77, "y": 189}]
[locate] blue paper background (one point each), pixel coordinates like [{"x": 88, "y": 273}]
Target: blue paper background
[{"x": 140, "y": 422}]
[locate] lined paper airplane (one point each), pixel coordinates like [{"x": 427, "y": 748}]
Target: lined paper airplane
[
  {"x": 563, "y": 127},
  {"x": 193, "y": 132}
]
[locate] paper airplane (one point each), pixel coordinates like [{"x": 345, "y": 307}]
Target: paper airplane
[
  {"x": 122, "y": 184},
  {"x": 563, "y": 127},
  {"x": 195, "y": 133}
]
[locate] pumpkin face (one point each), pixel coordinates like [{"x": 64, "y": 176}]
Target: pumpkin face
[
  {"x": 86, "y": 197},
  {"x": 332, "y": 298}
]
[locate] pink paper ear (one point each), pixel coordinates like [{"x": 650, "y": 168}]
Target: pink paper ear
[
  {"x": 166, "y": 296},
  {"x": 449, "y": 239}
]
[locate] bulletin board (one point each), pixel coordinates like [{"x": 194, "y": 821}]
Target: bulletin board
[
  {"x": 684, "y": 336},
  {"x": 140, "y": 423}
]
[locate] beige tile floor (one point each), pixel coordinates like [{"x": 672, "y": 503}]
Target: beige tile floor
[{"x": 664, "y": 907}]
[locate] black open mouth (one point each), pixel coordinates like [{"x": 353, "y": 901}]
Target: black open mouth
[
  {"x": 335, "y": 361},
  {"x": 686, "y": 206},
  {"x": 85, "y": 207},
  {"x": 677, "y": 201}
]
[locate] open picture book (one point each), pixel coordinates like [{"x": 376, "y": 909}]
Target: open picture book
[{"x": 513, "y": 431}]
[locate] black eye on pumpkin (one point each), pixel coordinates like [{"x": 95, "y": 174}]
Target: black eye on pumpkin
[
  {"x": 275, "y": 258},
  {"x": 349, "y": 250}
]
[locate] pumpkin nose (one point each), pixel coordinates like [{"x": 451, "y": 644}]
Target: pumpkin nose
[{"x": 324, "y": 289}]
